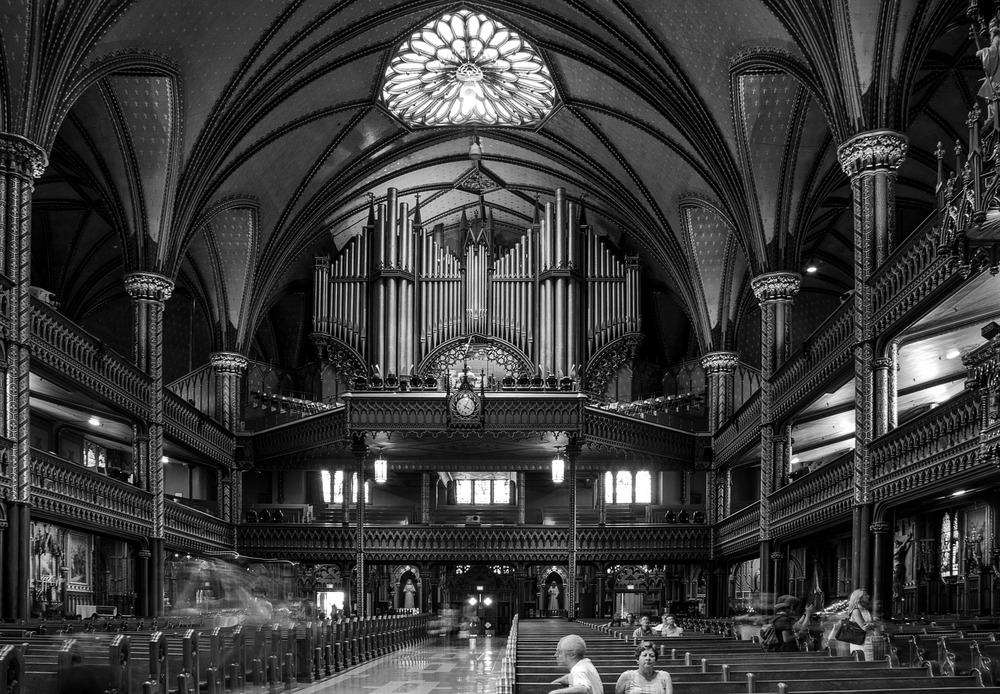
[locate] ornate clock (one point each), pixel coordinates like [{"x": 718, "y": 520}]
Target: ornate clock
[{"x": 465, "y": 405}]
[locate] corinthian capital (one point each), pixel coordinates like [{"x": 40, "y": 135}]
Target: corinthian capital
[
  {"x": 879, "y": 149},
  {"x": 228, "y": 362},
  {"x": 720, "y": 362},
  {"x": 20, "y": 155},
  {"x": 776, "y": 286},
  {"x": 148, "y": 286}
]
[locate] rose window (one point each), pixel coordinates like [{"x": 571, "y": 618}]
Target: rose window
[{"x": 466, "y": 68}]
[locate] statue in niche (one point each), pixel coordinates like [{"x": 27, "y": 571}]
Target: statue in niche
[
  {"x": 409, "y": 595},
  {"x": 553, "y": 605},
  {"x": 990, "y": 57},
  {"x": 900, "y": 546}
]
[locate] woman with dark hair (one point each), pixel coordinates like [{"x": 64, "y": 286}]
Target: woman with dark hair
[{"x": 646, "y": 679}]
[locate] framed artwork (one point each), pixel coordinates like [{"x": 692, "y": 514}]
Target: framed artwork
[{"x": 80, "y": 557}]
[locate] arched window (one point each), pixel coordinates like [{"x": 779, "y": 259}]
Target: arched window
[{"x": 949, "y": 545}]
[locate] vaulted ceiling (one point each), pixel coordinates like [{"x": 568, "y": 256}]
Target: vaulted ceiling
[{"x": 224, "y": 143}]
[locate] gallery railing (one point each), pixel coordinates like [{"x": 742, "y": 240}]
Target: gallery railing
[
  {"x": 196, "y": 530},
  {"x": 739, "y": 531},
  {"x": 819, "y": 496}
]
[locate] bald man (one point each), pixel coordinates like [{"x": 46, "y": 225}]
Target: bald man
[{"x": 582, "y": 677}]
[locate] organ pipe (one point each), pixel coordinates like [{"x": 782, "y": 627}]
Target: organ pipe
[{"x": 395, "y": 293}]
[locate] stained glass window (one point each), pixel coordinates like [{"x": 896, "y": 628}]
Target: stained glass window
[
  {"x": 467, "y": 68},
  {"x": 463, "y": 492},
  {"x": 949, "y": 545},
  {"x": 626, "y": 487},
  {"x": 338, "y": 488},
  {"x": 482, "y": 492},
  {"x": 609, "y": 488},
  {"x": 623, "y": 490},
  {"x": 501, "y": 492},
  {"x": 643, "y": 487}
]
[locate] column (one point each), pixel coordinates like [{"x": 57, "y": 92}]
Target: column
[
  {"x": 777, "y": 565},
  {"x": 21, "y": 161},
  {"x": 572, "y": 453},
  {"x": 426, "y": 601},
  {"x": 522, "y": 494},
  {"x": 602, "y": 499},
  {"x": 148, "y": 292},
  {"x": 720, "y": 369},
  {"x": 775, "y": 292},
  {"x": 143, "y": 583},
  {"x": 345, "y": 502},
  {"x": 425, "y": 498},
  {"x": 228, "y": 368},
  {"x": 879, "y": 530},
  {"x": 871, "y": 160},
  {"x": 360, "y": 451}
]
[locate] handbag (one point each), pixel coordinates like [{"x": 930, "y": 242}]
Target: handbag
[{"x": 848, "y": 630}]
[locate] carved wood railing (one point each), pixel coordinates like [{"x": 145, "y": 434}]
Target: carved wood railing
[
  {"x": 205, "y": 435},
  {"x": 196, "y": 388},
  {"x": 742, "y": 429},
  {"x": 428, "y": 543},
  {"x": 66, "y": 348},
  {"x": 77, "y": 495},
  {"x": 738, "y": 531},
  {"x": 913, "y": 271},
  {"x": 610, "y": 431},
  {"x": 941, "y": 444},
  {"x": 196, "y": 530},
  {"x": 816, "y": 498},
  {"x": 316, "y": 435},
  {"x": 828, "y": 351}
]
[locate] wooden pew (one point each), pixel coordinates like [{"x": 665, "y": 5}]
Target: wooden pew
[{"x": 986, "y": 659}]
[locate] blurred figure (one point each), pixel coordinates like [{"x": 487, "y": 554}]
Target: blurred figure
[
  {"x": 409, "y": 591},
  {"x": 784, "y": 623},
  {"x": 582, "y": 677},
  {"x": 859, "y": 611},
  {"x": 646, "y": 679}
]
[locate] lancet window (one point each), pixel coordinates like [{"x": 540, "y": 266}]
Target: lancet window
[{"x": 333, "y": 487}]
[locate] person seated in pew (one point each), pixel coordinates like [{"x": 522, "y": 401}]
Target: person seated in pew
[
  {"x": 643, "y": 630},
  {"x": 784, "y": 623},
  {"x": 668, "y": 627},
  {"x": 582, "y": 677},
  {"x": 646, "y": 679}
]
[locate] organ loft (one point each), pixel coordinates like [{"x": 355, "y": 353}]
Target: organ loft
[{"x": 341, "y": 314}]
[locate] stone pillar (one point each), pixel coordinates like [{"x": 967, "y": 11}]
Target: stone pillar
[
  {"x": 522, "y": 494},
  {"x": 144, "y": 584},
  {"x": 720, "y": 368},
  {"x": 426, "y": 599},
  {"x": 228, "y": 368},
  {"x": 345, "y": 503},
  {"x": 425, "y": 498},
  {"x": 602, "y": 503},
  {"x": 881, "y": 367},
  {"x": 871, "y": 160},
  {"x": 360, "y": 451},
  {"x": 879, "y": 531},
  {"x": 140, "y": 457},
  {"x": 777, "y": 566},
  {"x": 572, "y": 453},
  {"x": 21, "y": 161},
  {"x": 775, "y": 292},
  {"x": 149, "y": 291}
]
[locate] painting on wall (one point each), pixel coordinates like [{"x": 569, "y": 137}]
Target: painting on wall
[{"x": 80, "y": 554}]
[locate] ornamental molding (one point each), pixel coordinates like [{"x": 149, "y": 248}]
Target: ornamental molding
[
  {"x": 148, "y": 286},
  {"x": 476, "y": 346},
  {"x": 228, "y": 362},
  {"x": 872, "y": 151},
  {"x": 478, "y": 181},
  {"x": 720, "y": 362},
  {"x": 879, "y": 528},
  {"x": 604, "y": 365},
  {"x": 21, "y": 156},
  {"x": 776, "y": 286}
]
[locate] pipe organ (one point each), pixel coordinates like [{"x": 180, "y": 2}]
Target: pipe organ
[{"x": 396, "y": 298}]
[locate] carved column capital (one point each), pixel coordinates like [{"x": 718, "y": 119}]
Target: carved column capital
[
  {"x": 228, "y": 362},
  {"x": 19, "y": 155},
  {"x": 148, "y": 286},
  {"x": 878, "y": 149},
  {"x": 882, "y": 363},
  {"x": 777, "y": 556},
  {"x": 144, "y": 554},
  {"x": 720, "y": 362},
  {"x": 879, "y": 528},
  {"x": 776, "y": 286}
]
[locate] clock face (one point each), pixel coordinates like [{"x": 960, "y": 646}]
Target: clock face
[{"x": 465, "y": 404}]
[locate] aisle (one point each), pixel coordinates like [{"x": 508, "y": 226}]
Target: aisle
[{"x": 464, "y": 667}]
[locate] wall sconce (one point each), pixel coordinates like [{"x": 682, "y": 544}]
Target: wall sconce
[
  {"x": 558, "y": 468},
  {"x": 381, "y": 468}
]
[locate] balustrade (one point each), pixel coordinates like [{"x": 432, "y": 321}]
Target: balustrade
[
  {"x": 184, "y": 422},
  {"x": 78, "y": 494},
  {"x": 814, "y": 497},
  {"x": 741, "y": 429},
  {"x": 193, "y": 529},
  {"x": 739, "y": 530}
]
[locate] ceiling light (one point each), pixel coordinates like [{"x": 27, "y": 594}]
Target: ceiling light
[
  {"x": 960, "y": 492},
  {"x": 381, "y": 468},
  {"x": 795, "y": 460},
  {"x": 952, "y": 353},
  {"x": 94, "y": 421},
  {"x": 475, "y": 149},
  {"x": 812, "y": 268},
  {"x": 558, "y": 468}
]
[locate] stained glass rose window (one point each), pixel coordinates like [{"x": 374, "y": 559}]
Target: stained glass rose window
[{"x": 466, "y": 68}]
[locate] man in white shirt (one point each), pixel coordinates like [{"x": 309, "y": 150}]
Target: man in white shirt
[{"x": 582, "y": 677}]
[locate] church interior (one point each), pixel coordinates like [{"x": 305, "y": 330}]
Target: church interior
[{"x": 577, "y": 309}]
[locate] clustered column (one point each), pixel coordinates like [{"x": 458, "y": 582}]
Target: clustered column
[
  {"x": 149, "y": 291},
  {"x": 720, "y": 368},
  {"x": 229, "y": 368},
  {"x": 775, "y": 292},
  {"x": 871, "y": 160},
  {"x": 360, "y": 451},
  {"x": 572, "y": 453},
  {"x": 21, "y": 161}
]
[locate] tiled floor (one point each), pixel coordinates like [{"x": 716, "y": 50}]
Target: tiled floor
[{"x": 467, "y": 666}]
